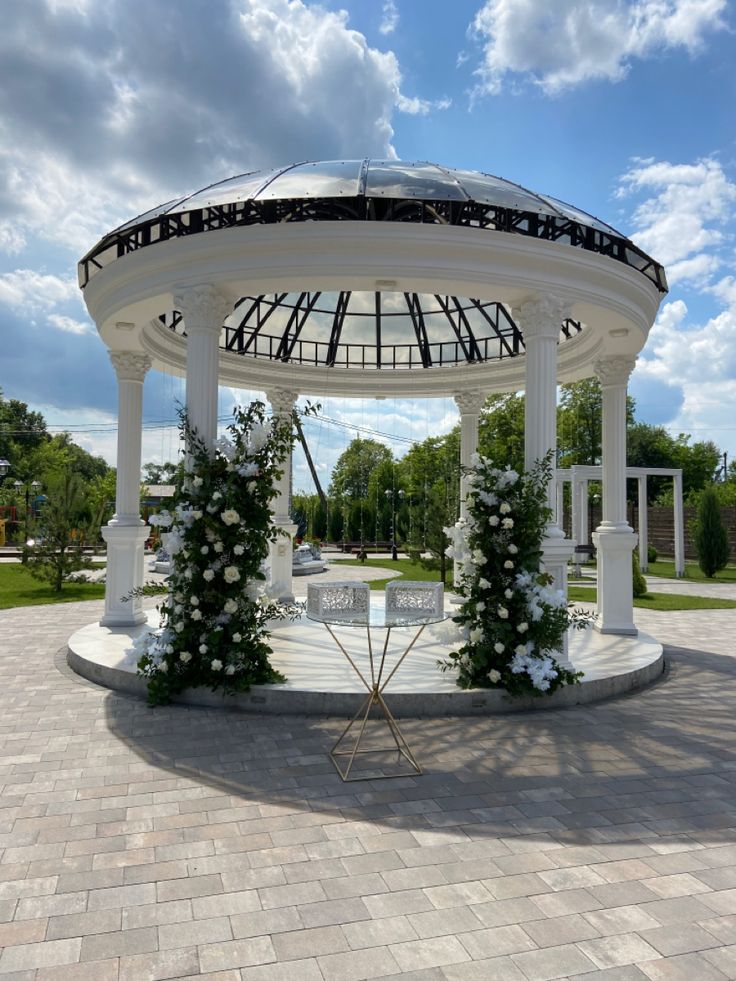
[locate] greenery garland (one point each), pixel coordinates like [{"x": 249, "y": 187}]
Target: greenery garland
[
  {"x": 511, "y": 620},
  {"x": 214, "y": 620}
]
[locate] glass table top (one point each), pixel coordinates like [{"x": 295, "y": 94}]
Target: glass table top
[{"x": 378, "y": 616}]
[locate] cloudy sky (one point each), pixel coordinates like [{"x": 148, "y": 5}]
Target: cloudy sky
[{"x": 623, "y": 107}]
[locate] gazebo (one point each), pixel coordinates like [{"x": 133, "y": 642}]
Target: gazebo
[{"x": 377, "y": 279}]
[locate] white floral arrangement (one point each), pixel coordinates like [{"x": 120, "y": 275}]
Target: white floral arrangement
[
  {"x": 511, "y": 621},
  {"x": 214, "y": 620}
]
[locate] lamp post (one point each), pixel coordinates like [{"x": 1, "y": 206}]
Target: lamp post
[
  {"x": 33, "y": 486},
  {"x": 4, "y": 470},
  {"x": 392, "y": 495}
]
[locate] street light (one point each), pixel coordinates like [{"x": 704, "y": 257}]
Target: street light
[
  {"x": 392, "y": 495},
  {"x": 4, "y": 470},
  {"x": 33, "y": 486}
]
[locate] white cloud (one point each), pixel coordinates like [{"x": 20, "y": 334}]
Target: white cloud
[
  {"x": 68, "y": 325},
  {"x": 563, "y": 44},
  {"x": 683, "y": 221},
  {"x": 31, "y": 291},
  {"x": 390, "y": 18},
  {"x": 102, "y": 116}
]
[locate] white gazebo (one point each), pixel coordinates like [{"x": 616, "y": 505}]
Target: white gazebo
[{"x": 379, "y": 279}]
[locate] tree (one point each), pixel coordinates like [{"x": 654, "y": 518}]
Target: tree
[
  {"x": 580, "y": 423},
  {"x": 501, "y": 431},
  {"x": 155, "y": 474},
  {"x": 63, "y": 529},
  {"x": 711, "y": 538},
  {"x": 21, "y": 430},
  {"x": 354, "y": 467}
]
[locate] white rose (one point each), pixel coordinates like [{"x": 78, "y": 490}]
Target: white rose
[
  {"x": 512, "y": 549},
  {"x": 483, "y": 584},
  {"x": 163, "y": 667},
  {"x": 238, "y": 550},
  {"x": 231, "y": 574},
  {"x": 493, "y": 520},
  {"x": 204, "y": 549},
  {"x": 216, "y": 665},
  {"x": 202, "y": 648},
  {"x": 508, "y": 523},
  {"x": 230, "y": 517},
  {"x": 188, "y": 574},
  {"x": 522, "y": 628},
  {"x": 178, "y": 608},
  {"x": 194, "y": 600},
  {"x": 503, "y": 612},
  {"x": 231, "y": 606},
  {"x": 179, "y": 597},
  {"x": 508, "y": 564},
  {"x": 185, "y": 657},
  {"x": 196, "y": 614},
  {"x": 230, "y": 669},
  {"x": 498, "y": 647},
  {"x": 478, "y": 556},
  {"x": 480, "y": 606},
  {"x": 476, "y": 635},
  {"x": 251, "y": 486},
  {"x": 508, "y": 593},
  {"x": 196, "y": 515},
  {"x": 218, "y": 546},
  {"x": 169, "y": 648},
  {"x": 208, "y": 575},
  {"x": 197, "y": 482},
  {"x": 178, "y": 627},
  {"x": 505, "y": 508},
  {"x": 494, "y": 676},
  {"x": 216, "y": 496},
  {"x": 237, "y": 638}
]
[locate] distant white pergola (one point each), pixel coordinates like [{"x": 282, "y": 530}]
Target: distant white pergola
[
  {"x": 580, "y": 476},
  {"x": 373, "y": 279}
]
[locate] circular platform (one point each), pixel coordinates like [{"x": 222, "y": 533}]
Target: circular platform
[{"x": 321, "y": 682}]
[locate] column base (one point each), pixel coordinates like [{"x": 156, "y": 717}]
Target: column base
[
  {"x": 125, "y": 544},
  {"x": 281, "y": 559},
  {"x": 556, "y": 553},
  {"x": 615, "y": 614}
]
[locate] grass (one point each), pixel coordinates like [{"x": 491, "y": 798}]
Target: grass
[
  {"x": 662, "y": 602},
  {"x": 405, "y": 567},
  {"x": 693, "y": 573},
  {"x": 19, "y": 588}
]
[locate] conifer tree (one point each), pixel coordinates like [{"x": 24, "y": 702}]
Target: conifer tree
[{"x": 711, "y": 538}]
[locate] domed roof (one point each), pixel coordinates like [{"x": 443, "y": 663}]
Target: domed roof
[{"x": 371, "y": 190}]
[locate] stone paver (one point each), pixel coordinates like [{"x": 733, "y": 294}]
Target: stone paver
[{"x": 183, "y": 842}]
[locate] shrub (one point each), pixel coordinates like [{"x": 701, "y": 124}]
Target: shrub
[
  {"x": 651, "y": 554},
  {"x": 639, "y": 582},
  {"x": 711, "y": 538}
]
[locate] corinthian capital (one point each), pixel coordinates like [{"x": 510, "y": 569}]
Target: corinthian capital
[
  {"x": 282, "y": 400},
  {"x": 614, "y": 369},
  {"x": 541, "y": 316},
  {"x": 470, "y": 403},
  {"x": 130, "y": 365},
  {"x": 202, "y": 307}
]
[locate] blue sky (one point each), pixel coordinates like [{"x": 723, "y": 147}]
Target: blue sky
[{"x": 625, "y": 109}]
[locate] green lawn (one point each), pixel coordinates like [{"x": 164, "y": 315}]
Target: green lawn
[
  {"x": 692, "y": 572},
  {"x": 407, "y": 569},
  {"x": 659, "y": 601},
  {"x": 19, "y": 588}
]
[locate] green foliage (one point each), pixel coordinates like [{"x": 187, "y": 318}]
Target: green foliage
[
  {"x": 501, "y": 430},
  {"x": 711, "y": 538},
  {"x": 352, "y": 472},
  {"x": 639, "y": 583},
  {"x": 61, "y": 532},
  {"x": 651, "y": 554},
  {"x": 19, "y": 588},
  {"x": 511, "y": 621},
  {"x": 215, "y": 620}
]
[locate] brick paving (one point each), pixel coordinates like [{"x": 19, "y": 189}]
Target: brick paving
[{"x": 181, "y": 842}]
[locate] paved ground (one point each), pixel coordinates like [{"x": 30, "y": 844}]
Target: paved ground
[{"x": 178, "y": 842}]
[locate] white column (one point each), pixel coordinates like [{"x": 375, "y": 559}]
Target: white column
[
  {"x": 679, "y": 526},
  {"x": 204, "y": 310},
  {"x": 126, "y": 533},
  {"x": 469, "y": 404},
  {"x": 643, "y": 523},
  {"x": 282, "y": 402},
  {"x": 540, "y": 319},
  {"x": 614, "y": 538}
]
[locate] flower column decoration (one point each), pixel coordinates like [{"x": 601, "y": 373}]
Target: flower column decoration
[
  {"x": 126, "y": 533},
  {"x": 281, "y": 553},
  {"x": 614, "y": 538},
  {"x": 540, "y": 319}
]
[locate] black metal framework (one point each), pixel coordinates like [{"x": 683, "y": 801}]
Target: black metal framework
[
  {"x": 313, "y": 325},
  {"x": 161, "y": 225}
]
